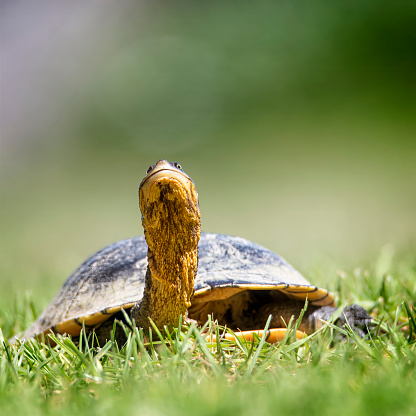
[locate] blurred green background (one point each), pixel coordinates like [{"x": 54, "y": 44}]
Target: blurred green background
[{"x": 295, "y": 119}]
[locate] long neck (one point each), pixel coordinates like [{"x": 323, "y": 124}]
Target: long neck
[{"x": 172, "y": 239}]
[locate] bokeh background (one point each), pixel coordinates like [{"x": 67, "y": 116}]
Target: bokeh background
[{"x": 296, "y": 120}]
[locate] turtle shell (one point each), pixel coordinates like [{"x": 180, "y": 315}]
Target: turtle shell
[{"x": 113, "y": 279}]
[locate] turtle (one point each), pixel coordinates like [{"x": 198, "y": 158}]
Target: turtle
[{"x": 176, "y": 272}]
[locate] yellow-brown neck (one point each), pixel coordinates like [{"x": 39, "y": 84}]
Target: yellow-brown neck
[{"x": 172, "y": 226}]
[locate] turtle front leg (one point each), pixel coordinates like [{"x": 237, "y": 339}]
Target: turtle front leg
[{"x": 356, "y": 316}]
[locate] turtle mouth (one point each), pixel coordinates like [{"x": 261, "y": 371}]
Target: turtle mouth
[
  {"x": 164, "y": 175},
  {"x": 166, "y": 184},
  {"x": 159, "y": 170}
]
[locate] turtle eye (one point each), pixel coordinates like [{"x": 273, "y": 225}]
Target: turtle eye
[
  {"x": 177, "y": 165},
  {"x": 150, "y": 168}
]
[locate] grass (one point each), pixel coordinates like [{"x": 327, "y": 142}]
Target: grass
[{"x": 187, "y": 374}]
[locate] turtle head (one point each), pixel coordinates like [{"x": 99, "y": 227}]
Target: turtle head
[
  {"x": 168, "y": 201},
  {"x": 172, "y": 227}
]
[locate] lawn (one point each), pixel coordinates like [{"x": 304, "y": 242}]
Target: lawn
[
  {"x": 296, "y": 121},
  {"x": 188, "y": 374}
]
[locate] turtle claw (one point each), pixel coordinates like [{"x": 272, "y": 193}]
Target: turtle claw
[
  {"x": 190, "y": 321},
  {"x": 357, "y": 318}
]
